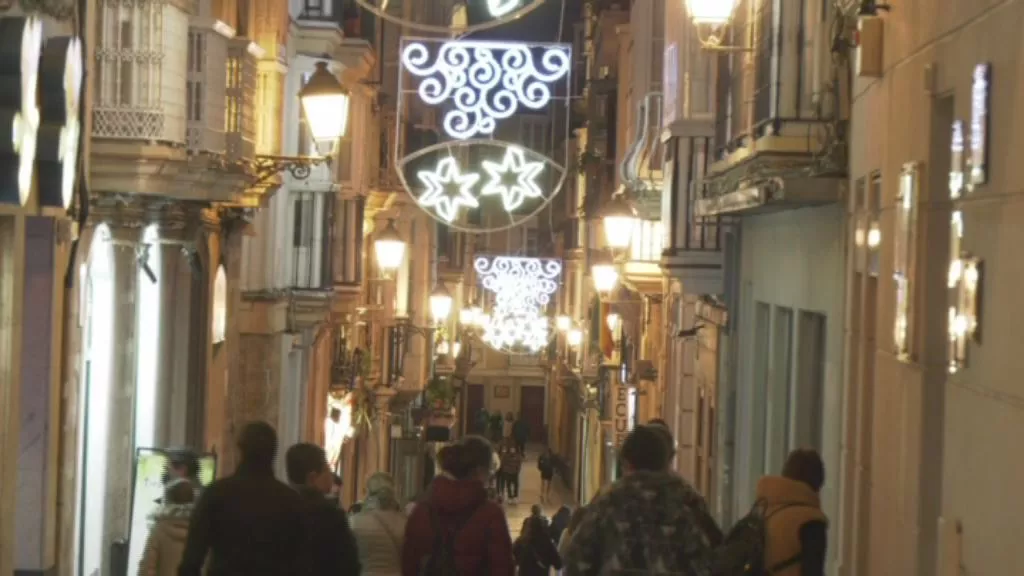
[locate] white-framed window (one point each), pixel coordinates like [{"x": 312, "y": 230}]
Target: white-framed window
[
  {"x": 218, "y": 325},
  {"x": 648, "y": 237}
]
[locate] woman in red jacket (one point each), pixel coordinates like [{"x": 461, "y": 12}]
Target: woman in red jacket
[{"x": 455, "y": 529}]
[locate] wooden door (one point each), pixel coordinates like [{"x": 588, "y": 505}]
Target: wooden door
[
  {"x": 474, "y": 404},
  {"x": 531, "y": 407}
]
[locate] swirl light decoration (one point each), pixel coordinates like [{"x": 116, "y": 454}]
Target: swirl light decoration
[
  {"x": 522, "y": 289},
  {"x": 482, "y": 82},
  {"x": 499, "y": 12}
]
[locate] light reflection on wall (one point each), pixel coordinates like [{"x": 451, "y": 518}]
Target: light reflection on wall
[
  {"x": 148, "y": 338},
  {"x": 94, "y": 407}
]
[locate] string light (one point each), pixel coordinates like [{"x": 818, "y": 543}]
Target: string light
[{"x": 481, "y": 82}]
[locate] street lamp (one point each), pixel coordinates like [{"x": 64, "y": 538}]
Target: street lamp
[
  {"x": 619, "y": 222},
  {"x": 605, "y": 277},
  {"x": 467, "y": 316},
  {"x": 440, "y": 304},
  {"x": 389, "y": 248},
  {"x": 563, "y": 323},
  {"x": 710, "y": 12},
  {"x": 326, "y": 104},
  {"x": 613, "y": 321},
  {"x": 575, "y": 337}
]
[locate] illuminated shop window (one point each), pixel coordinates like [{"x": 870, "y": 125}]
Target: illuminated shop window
[{"x": 903, "y": 257}]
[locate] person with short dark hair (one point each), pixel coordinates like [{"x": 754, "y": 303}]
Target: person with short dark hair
[
  {"x": 168, "y": 531},
  {"x": 535, "y": 553},
  {"x": 521, "y": 434},
  {"x": 330, "y": 547},
  {"x": 455, "y": 521},
  {"x": 249, "y": 522},
  {"x": 646, "y": 521},
  {"x": 796, "y": 529}
]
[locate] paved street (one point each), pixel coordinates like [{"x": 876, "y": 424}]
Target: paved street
[{"x": 529, "y": 493}]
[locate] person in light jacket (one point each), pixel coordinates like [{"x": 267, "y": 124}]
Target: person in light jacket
[
  {"x": 380, "y": 528},
  {"x": 169, "y": 530}
]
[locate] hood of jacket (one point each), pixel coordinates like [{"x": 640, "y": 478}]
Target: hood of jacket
[
  {"x": 654, "y": 493},
  {"x": 777, "y": 490},
  {"x": 453, "y": 497},
  {"x": 171, "y": 521}
]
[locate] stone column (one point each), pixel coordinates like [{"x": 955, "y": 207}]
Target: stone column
[
  {"x": 125, "y": 227},
  {"x": 175, "y": 277},
  {"x": 379, "y": 447}
]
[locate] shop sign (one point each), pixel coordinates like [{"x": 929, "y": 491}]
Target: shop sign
[{"x": 620, "y": 412}]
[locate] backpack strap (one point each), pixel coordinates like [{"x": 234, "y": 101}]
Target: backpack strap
[{"x": 788, "y": 563}]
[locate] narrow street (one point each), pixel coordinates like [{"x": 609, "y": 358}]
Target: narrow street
[{"x": 529, "y": 493}]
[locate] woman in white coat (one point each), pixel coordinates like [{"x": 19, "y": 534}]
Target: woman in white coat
[
  {"x": 168, "y": 531},
  {"x": 379, "y": 528}
]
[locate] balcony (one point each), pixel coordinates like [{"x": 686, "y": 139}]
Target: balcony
[
  {"x": 642, "y": 265},
  {"x": 206, "y": 86},
  {"x": 310, "y": 263},
  {"x": 773, "y": 124}
]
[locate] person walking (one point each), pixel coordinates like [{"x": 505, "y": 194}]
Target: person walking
[
  {"x": 521, "y": 434},
  {"x": 455, "y": 529},
  {"x": 511, "y": 465},
  {"x": 546, "y": 466},
  {"x": 534, "y": 551},
  {"x": 169, "y": 530},
  {"x": 483, "y": 420},
  {"x": 248, "y": 523},
  {"x": 796, "y": 529},
  {"x": 559, "y": 522},
  {"x": 644, "y": 522},
  {"x": 380, "y": 528},
  {"x": 329, "y": 547},
  {"x": 497, "y": 427},
  {"x": 566, "y": 537}
]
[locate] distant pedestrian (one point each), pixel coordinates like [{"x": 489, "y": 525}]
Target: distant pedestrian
[
  {"x": 483, "y": 420},
  {"x": 247, "y": 523},
  {"x": 169, "y": 530},
  {"x": 329, "y": 547},
  {"x": 497, "y": 427},
  {"x": 546, "y": 466},
  {"x": 380, "y": 528},
  {"x": 559, "y": 522},
  {"x": 455, "y": 529},
  {"x": 511, "y": 465},
  {"x": 521, "y": 434},
  {"x": 535, "y": 554}
]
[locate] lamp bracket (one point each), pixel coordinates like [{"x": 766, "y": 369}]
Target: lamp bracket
[{"x": 265, "y": 167}]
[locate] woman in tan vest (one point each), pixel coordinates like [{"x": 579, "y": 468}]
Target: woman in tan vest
[{"x": 796, "y": 530}]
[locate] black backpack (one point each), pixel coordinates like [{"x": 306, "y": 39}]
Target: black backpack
[
  {"x": 441, "y": 561},
  {"x": 742, "y": 554}
]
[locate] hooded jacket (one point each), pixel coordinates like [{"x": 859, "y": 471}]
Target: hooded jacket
[
  {"x": 481, "y": 546},
  {"x": 166, "y": 542},
  {"x": 379, "y": 530},
  {"x": 645, "y": 523},
  {"x": 795, "y": 527},
  {"x": 248, "y": 523}
]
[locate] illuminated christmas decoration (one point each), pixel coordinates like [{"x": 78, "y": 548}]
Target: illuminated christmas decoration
[
  {"x": 60, "y": 80},
  {"x": 19, "y": 109},
  {"x": 501, "y": 12},
  {"x": 481, "y": 82},
  {"x": 440, "y": 183},
  {"x": 522, "y": 288},
  {"x": 507, "y": 182},
  {"x": 525, "y": 173},
  {"x": 500, "y": 8}
]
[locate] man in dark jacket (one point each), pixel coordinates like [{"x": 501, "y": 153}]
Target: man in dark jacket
[
  {"x": 248, "y": 523},
  {"x": 521, "y": 433},
  {"x": 330, "y": 546}
]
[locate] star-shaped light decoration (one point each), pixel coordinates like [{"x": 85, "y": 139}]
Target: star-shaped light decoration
[
  {"x": 525, "y": 185},
  {"x": 439, "y": 182},
  {"x": 500, "y": 8}
]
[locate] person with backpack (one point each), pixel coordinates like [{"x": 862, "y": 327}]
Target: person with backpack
[
  {"x": 645, "y": 522},
  {"x": 511, "y": 466},
  {"x": 786, "y": 532},
  {"x": 455, "y": 530},
  {"x": 535, "y": 553}
]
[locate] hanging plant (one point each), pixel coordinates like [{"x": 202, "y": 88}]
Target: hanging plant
[{"x": 440, "y": 393}]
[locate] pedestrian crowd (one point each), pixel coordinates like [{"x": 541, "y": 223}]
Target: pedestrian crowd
[{"x": 651, "y": 521}]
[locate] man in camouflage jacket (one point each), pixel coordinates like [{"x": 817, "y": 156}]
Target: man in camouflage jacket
[{"x": 649, "y": 522}]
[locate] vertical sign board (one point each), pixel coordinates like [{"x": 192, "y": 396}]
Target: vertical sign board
[
  {"x": 671, "y": 80},
  {"x": 147, "y": 489},
  {"x": 620, "y": 411}
]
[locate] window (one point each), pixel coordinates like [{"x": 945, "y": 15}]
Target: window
[
  {"x": 874, "y": 232},
  {"x": 312, "y": 237},
  {"x": 777, "y": 443},
  {"x": 531, "y": 242},
  {"x": 218, "y": 326},
  {"x": 647, "y": 241},
  {"x": 318, "y": 8}
]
